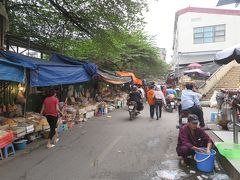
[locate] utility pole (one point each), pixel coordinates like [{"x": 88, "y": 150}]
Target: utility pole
[
  {"x": 178, "y": 59},
  {"x": 3, "y": 22},
  {"x": 63, "y": 37}
]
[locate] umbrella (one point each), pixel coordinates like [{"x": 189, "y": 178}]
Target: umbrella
[
  {"x": 228, "y": 55},
  {"x": 194, "y": 65},
  {"x": 196, "y": 73},
  {"x": 225, "y": 2}
]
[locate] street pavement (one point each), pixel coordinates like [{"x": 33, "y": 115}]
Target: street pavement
[{"x": 109, "y": 147}]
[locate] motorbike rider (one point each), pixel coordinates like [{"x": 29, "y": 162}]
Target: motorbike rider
[
  {"x": 178, "y": 92},
  {"x": 135, "y": 95},
  {"x": 171, "y": 91},
  {"x": 170, "y": 95},
  {"x": 190, "y": 101}
]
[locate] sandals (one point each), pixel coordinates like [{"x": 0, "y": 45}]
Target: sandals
[
  {"x": 56, "y": 140},
  {"x": 50, "y": 146}
]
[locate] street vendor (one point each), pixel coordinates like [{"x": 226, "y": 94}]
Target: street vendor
[{"x": 192, "y": 138}]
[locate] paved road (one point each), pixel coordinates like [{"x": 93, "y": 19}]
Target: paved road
[{"x": 105, "y": 148}]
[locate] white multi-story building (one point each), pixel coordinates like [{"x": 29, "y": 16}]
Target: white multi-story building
[{"x": 201, "y": 32}]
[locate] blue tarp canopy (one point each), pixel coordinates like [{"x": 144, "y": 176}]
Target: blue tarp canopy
[
  {"x": 90, "y": 68},
  {"x": 47, "y": 73},
  {"x": 10, "y": 71}
]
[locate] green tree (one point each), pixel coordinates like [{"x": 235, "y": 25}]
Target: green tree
[
  {"x": 127, "y": 52},
  {"x": 108, "y": 32},
  {"x": 48, "y": 21}
]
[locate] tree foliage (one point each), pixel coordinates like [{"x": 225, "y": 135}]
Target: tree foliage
[
  {"x": 46, "y": 21},
  {"x": 128, "y": 52},
  {"x": 109, "y": 32}
]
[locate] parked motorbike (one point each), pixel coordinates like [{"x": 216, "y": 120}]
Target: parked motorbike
[{"x": 132, "y": 109}]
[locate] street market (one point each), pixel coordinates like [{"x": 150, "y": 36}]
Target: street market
[
  {"x": 126, "y": 90},
  {"x": 82, "y": 99}
]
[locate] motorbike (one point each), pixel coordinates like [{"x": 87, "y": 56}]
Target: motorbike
[
  {"x": 170, "y": 105},
  {"x": 132, "y": 109}
]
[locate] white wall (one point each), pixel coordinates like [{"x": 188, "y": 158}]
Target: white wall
[{"x": 187, "y": 21}]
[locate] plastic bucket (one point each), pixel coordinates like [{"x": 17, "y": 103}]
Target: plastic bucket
[
  {"x": 205, "y": 162},
  {"x": 61, "y": 128},
  {"x": 214, "y": 116},
  {"x": 20, "y": 145}
]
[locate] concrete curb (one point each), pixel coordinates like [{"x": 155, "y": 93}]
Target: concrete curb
[{"x": 224, "y": 162}]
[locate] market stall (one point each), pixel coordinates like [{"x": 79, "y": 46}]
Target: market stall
[
  {"x": 84, "y": 91},
  {"x": 105, "y": 84},
  {"x": 23, "y": 77}
]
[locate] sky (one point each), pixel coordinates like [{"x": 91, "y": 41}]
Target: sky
[{"x": 161, "y": 15}]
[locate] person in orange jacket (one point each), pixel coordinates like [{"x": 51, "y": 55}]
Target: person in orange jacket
[{"x": 151, "y": 100}]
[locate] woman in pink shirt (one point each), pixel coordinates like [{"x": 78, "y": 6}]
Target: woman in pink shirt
[{"x": 50, "y": 109}]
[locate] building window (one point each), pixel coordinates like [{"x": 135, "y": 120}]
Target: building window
[{"x": 209, "y": 34}]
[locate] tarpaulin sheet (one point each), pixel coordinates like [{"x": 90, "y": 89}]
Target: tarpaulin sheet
[
  {"x": 46, "y": 73},
  {"x": 113, "y": 78},
  {"x": 134, "y": 78},
  {"x": 49, "y": 76},
  {"x": 90, "y": 68},
  {"x": 197, "y": 72},
  {"x": 11, "y": 71},
  {"x": 228, "y": 55}
]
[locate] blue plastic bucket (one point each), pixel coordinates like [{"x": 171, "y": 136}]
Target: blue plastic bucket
[
  {"x": 214, "y": 116},
  {"x": 20, "y": 145},
  {"x": 205, "y": 162},
  {"x": 60, "y": 128}
]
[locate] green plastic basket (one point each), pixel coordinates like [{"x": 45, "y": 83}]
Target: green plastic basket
[{"x": 229, "y": 150}]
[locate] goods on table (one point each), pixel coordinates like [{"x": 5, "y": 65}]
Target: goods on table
[
  {"x": 39, "y": 121},
  {"x": 18, "y": 131},
  {"x": 8, "y": 121},
  {"x": 3, "y": 133},
  {"x": 28, "y": 127}
]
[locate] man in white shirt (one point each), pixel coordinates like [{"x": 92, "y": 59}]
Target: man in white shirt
[{"x": 190, "y": 101}]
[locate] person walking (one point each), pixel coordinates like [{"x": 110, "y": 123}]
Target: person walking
[
  {"x": 159, "y": 101},
  {"x": 151, "y": 100},
  {"x": 50, "y": 109}
]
